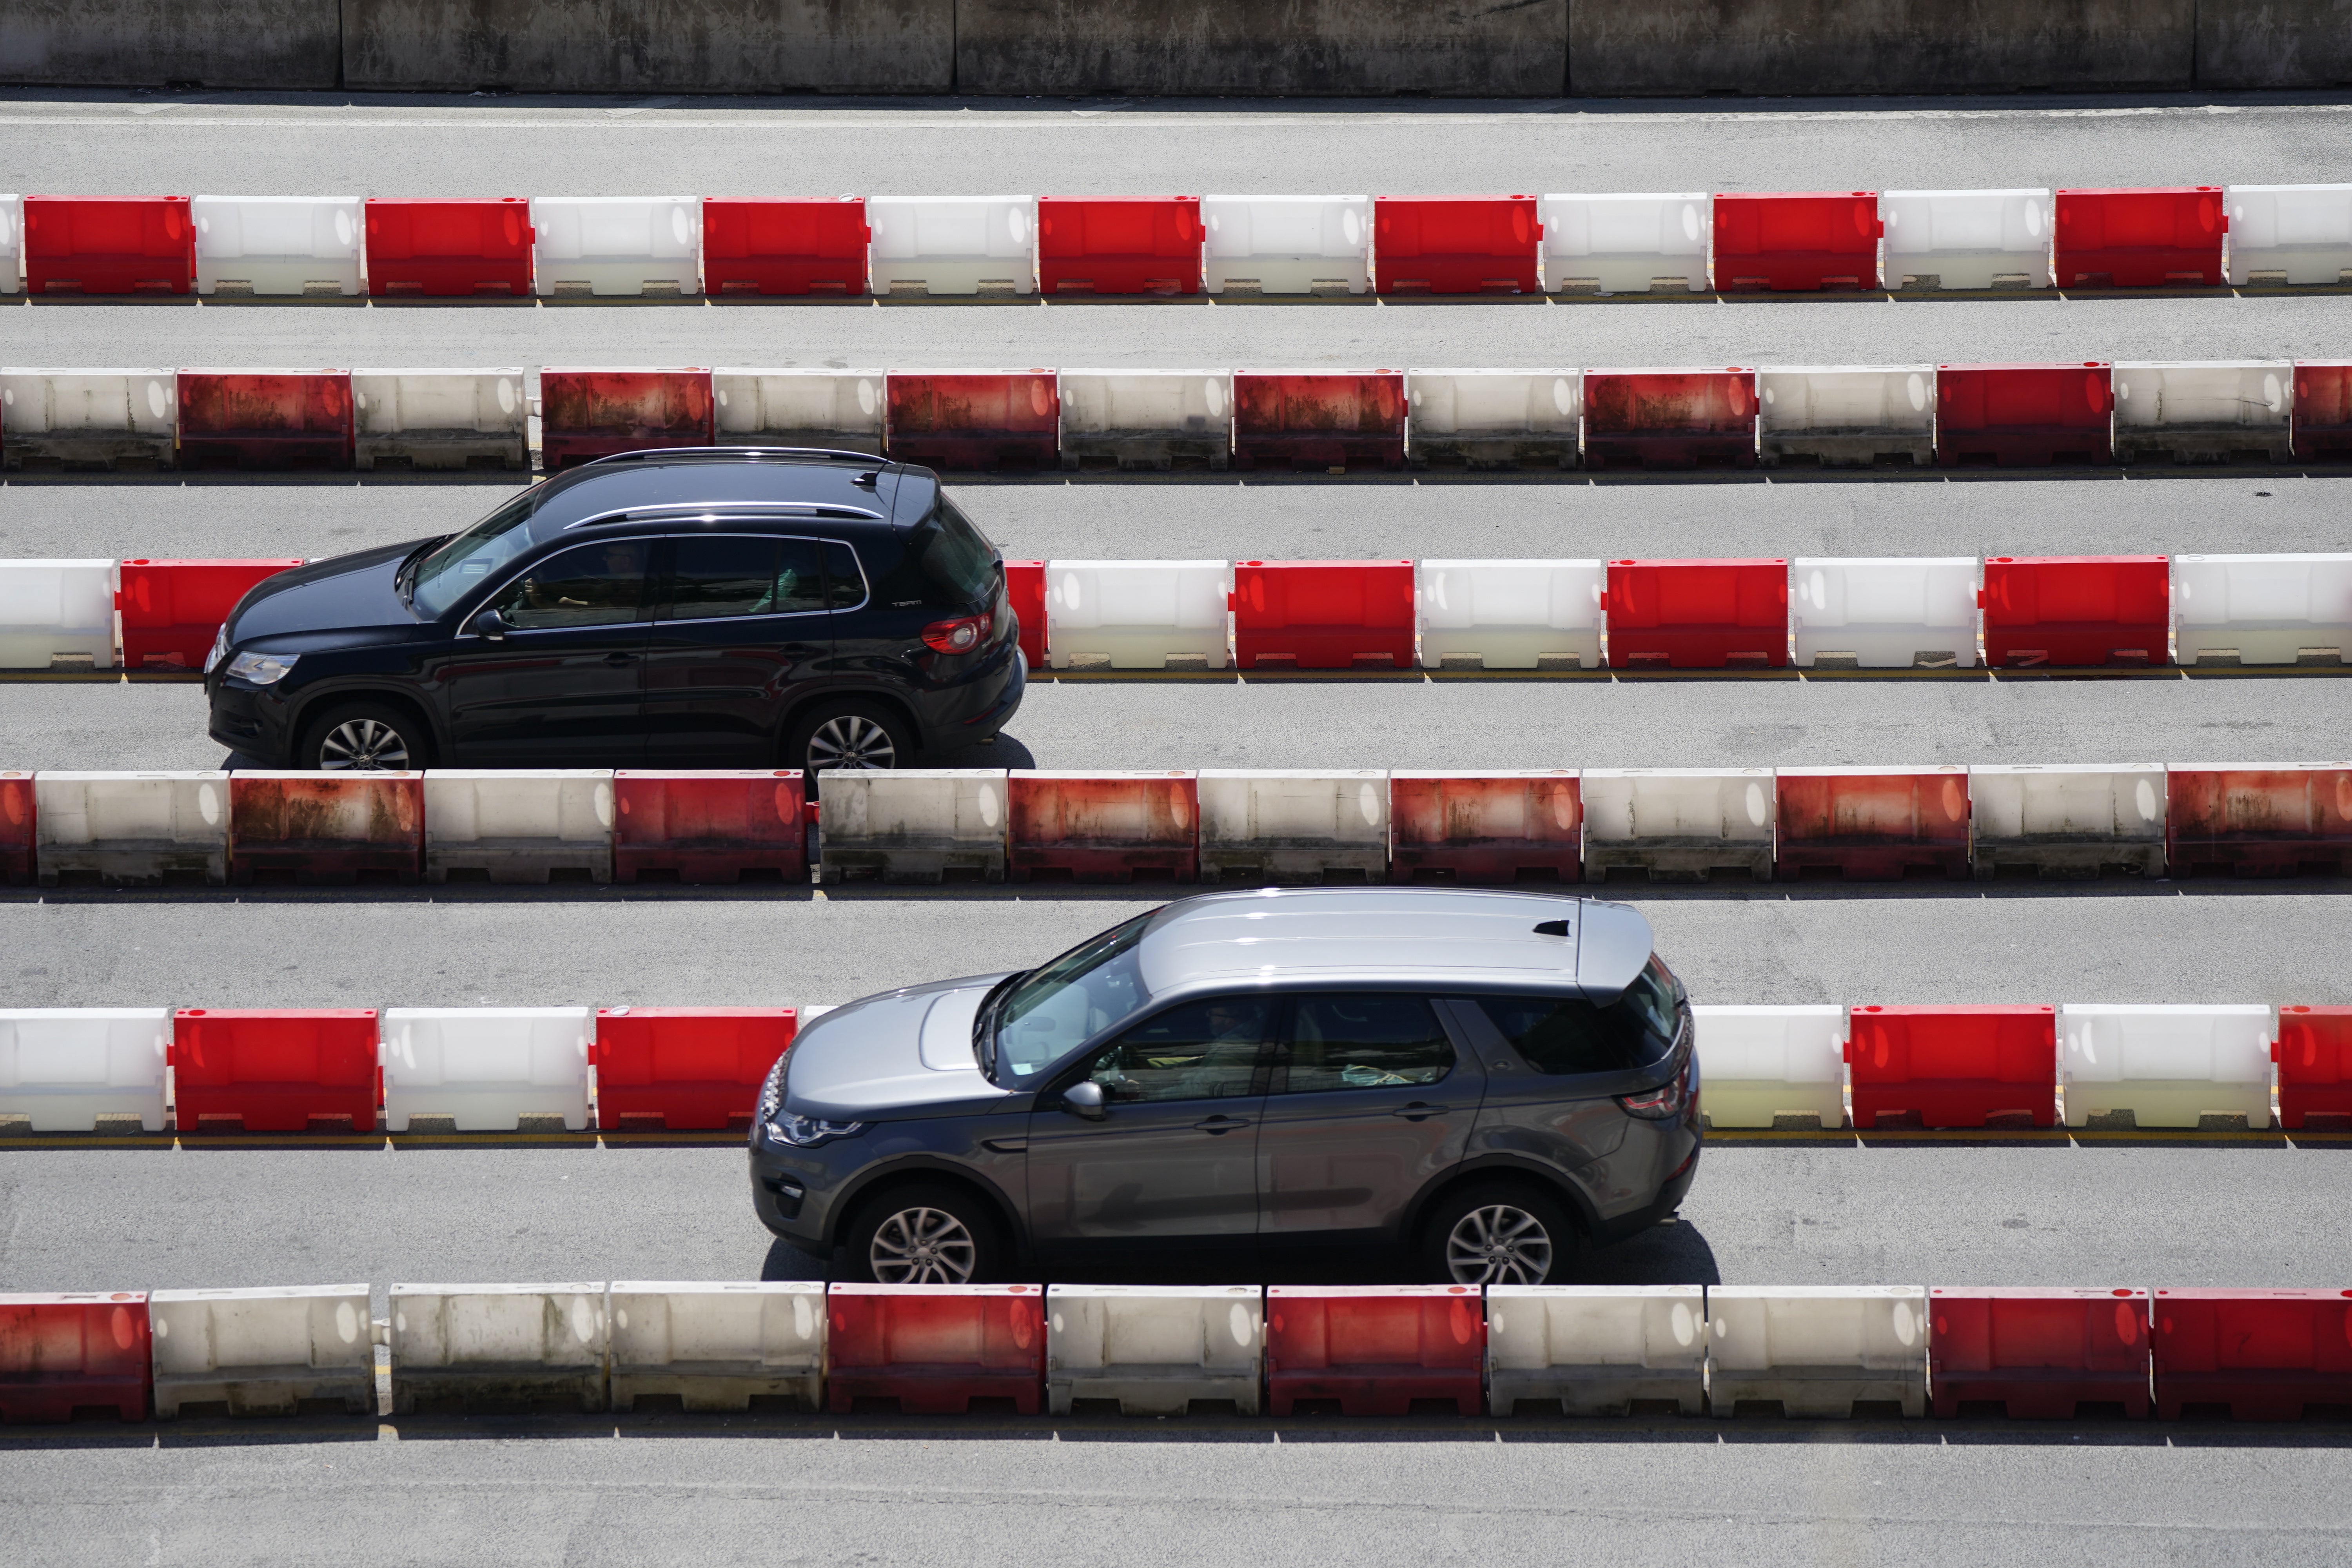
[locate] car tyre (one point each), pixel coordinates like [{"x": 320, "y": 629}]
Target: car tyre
[
  {"x": 923, "y": 1235},
  {"x": 366, "y": 737},
  {"x": 857, "y": 736},
  {"x": 1499, "y": 1233}
]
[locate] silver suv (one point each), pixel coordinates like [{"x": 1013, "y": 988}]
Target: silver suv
[{"x": 1481, "y": 1082}]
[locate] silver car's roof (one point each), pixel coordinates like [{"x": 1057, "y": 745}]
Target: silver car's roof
[{"x": 1408, "y": 935}]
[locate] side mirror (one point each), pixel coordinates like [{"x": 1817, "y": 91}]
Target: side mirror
[
  {"x": 488, "y": 624},
  {"x": 1084, "y": 1098}
]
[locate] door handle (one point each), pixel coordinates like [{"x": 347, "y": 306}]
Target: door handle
[
  {"x": 617, "y": 660},
  {"x": 1418, "y": 1111},
  {"x": 1215, "y": 1124}
]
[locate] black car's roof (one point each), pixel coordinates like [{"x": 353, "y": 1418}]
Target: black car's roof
[{"x": 719, "y": 478}]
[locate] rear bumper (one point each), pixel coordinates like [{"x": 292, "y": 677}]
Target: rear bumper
[{"x": 969, "y": 714}]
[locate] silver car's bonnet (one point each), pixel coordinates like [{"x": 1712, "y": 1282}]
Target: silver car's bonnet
[{"x": 910, "y": 1048}]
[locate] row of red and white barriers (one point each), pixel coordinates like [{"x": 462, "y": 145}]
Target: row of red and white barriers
[{"x": 1833, "y": 1352}]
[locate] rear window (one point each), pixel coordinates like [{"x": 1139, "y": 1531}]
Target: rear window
[
  {"x": 949, "y": 565},
  {"x": 1569, "y": 1035}
]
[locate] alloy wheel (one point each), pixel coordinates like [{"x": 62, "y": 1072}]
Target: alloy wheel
[
  {"x": 1499, "y": 1244},
  {"x": 922, "y": 1246},
  {"x": 368, "y": 745},
  {"x": 854, "y": 742}
]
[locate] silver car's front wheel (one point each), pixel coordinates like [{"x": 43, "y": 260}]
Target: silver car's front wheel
[
  {"x": 368, "y": 745},
  {"x": 922, "y": 1245},
  {"x": 1499, "y": 1244},
  {"x": 851, "y": 740}
]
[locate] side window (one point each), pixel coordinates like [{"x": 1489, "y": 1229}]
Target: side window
[
  {"x": 598, "y": 585},
  {"x": 1371, "y": 1041},
  {"x": 1202, "y": 1050},
  {"x": 845, "y": 584},
  {"x": 738, "y": 574}
]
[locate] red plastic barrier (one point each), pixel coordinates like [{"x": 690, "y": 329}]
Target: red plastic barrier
[
  {"x": 327, "y": 828},
  {"x": 585, "y": 415},
  {"x": 1475, "y": 244},
  {"x": 1024, "y": 589},
  {"x": 1873, "y": 826},
  {"x": 1490, "y": 828},
  {"x": 1791, "y": 241},
  {"x": 2321, "y": 416},
  {"x": 265, "y": 419},
  {"x": 1698, "y": 614},
  {"x": 1953, "y": 1067},
  {"x": 109, "y": 244},
  {"x": 1119, "y": 245},
  {"x": 813, "y": 246},
  {"x": 936, "y": 1348},
  {"x": 1323, "y": 614},
  {"x": 1315, "y": 419},
  {"x": 975, "y": 419},
  {"x": 709, "y": 827},
  {"x": 172, "y": 610},
  {"x": 2039, "y": 1353},
  {"x": 1375, "y": 1349},
  {"x": 1670, "y": 418},
  {"x": 2023, "y": 416},
  {"x": 2267, "y": 1355},
  {"x": 60, "y": 1354},
  {"x": 2076, "y": 610},
  {"x": 274, "y": 1070},
  {"x": 16, "y": 824},
  {"x": 435, "y": 247},
  {"x": 2258, "y": 822},
  {"x": 2140, "y": 239},
  {"x": 684, "y": 1069},
  {"x": 1104, "y": 827},
  {"x": 2314, "y": 1064}
]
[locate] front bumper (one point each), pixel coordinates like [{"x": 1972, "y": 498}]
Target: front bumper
[{"x": 254, "y": 722}]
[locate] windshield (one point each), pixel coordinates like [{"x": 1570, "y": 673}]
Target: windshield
[
  {"x": 445, "y": 576},
  {"x": 1569, "y": 1034},
  {"x": 1058, "y": 1007}
]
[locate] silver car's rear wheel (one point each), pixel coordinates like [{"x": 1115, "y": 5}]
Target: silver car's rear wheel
[
  {"x": 851, "y": 740},
  {"x": 922, "y": 1245},
  {"x": 1499, "y": 1244}
]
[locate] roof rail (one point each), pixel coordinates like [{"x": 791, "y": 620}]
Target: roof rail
[{"x": 828, "y": 454}]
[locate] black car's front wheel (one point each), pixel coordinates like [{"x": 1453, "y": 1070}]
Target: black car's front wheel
[
  {"x": 922, "y": 1235},
  {"x": 1502, "y": 1235},
  {"x": 367, "y": 736},
  {"x": 855, "y": 736}
]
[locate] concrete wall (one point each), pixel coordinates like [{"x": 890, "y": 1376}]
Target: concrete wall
[
  {"x": 1682, "y": 48},
  {"x": 2275, "y": 43},
  {"x": 707, "y": 46},
  {"x": 1473, "y": 48},
  {"x": 147, "y": 42}
]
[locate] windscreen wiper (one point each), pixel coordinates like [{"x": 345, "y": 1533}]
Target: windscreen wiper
[{"x": 983, "y": 1023}]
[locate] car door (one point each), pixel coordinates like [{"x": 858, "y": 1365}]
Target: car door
[
  {"x": 562, "y": 688},
  {"x": 743, "y": 624},
  {"x": 1172, "y": 1164},
  {"x": 1369, "y": 1099}
]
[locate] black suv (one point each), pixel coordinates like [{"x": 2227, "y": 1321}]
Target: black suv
[{"x": 709, "y": 608}]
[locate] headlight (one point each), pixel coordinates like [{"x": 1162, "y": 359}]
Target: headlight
[
  {"x": 807, "y": 1132},
  {"x": 220, "y": 648},
  {"x": 262, "y": 669}
]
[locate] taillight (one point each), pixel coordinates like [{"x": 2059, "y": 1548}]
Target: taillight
[
  {"x": 1663, "y": 1103},
  {"x": 962, "y": 635}
]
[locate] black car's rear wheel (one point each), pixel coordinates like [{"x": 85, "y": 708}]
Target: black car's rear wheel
[
  {"x": 1506, "y": 1235},
  {"x": 366, "y": 737},
  {"x": 857, "y": 736},
  {"x": 922, "y": 1235}
]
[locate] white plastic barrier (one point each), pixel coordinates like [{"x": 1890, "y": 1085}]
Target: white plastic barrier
[
  {"x": 2164, "y": 1067},
  {"x": 1888, "y": 612},
  {"x": 70, "y": 1070},
  {"x": 2261, "y": 609},
  {"x": 838, "y": 409},
  {"x": 1817, "y": 1349},
  {"x": 617, "y": 244},
  {"x": 263, "y": 1353},
  {"x": 912, "y": 825},
  {"x": 89, "y": 418},
  {"x": 1494, "y": 418},
  {"x": 1967, "y": 240},
  {"x": 56, "y": 614},
  {"x": 131, "y": 828},
  {"x": 1293, "y": 826},
  {"x": 485, "y": 1070},
  {"x": 1138, "y": 615},
  {"x": 12, "y": 244},
  {"x": 498, "y": 1344},
  {"x": 1287, "y": 245},
  {"x": 1846, "y": 416},
  {"x": 1154, "y": 1348},
  {"x": 1759, "y": 1064},
  {"x": 278, "y": 245},
  {"x": 1596, "y": 1349},
  {"x": 1627, "y": 244},
  {"x": 1679, "y": 824},
  {"x": 1146, "y": 418},
  {"x": 2289, "y": 234},
  {"x": 2068, "y": 821},
  {"x": 519, "y": 825},
  {"x": 441, "y": 419},
  {"x": 718, "y": 1346},
  {"x": 953, "y": 245},
  {"x": 1509, "y": 615},
  {"x": 2210, "y": 412}
]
